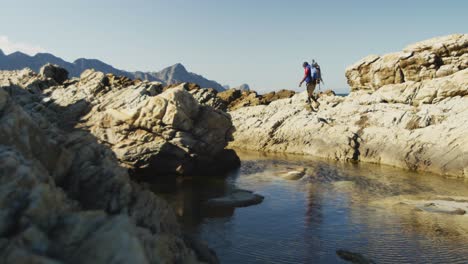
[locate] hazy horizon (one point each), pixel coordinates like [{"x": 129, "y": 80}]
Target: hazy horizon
[{"x": 260, "y": 43}]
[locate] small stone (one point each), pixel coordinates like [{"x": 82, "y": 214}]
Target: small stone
[
  {"x": 294, "y": 174},
  {"x": 458, "y": 211}
]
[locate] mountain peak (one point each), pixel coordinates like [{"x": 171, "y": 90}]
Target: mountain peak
[
  {"x": 45, "y": 56},
  {"x": 87, "y": 60},
  {"x": 176, "y": 73},
  {"x": 178, "y": 67},
  {"x": 1, "y": 53},
  {"x": 19, "y": 54}
]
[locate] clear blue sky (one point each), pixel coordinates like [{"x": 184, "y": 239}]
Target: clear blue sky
[{"x": 262, "y": 43}]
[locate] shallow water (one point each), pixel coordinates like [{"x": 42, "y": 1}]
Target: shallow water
[{"x": 335, "y": 206}]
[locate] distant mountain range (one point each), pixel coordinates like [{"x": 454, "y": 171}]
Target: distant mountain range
[{"x": 170, "y": 75}]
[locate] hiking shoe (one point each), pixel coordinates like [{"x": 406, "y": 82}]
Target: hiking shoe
[{"x": 315, "y": 104}]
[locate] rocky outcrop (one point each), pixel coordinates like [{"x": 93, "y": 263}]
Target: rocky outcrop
[
  {"x": 54, "y": 72},
  {"x": 205, "y": 96},
  {"x": 159, "y": 132},
  {"x": 236, "y": 98},
  {"x": 66, "y": 194},
  {"x": 418, "y": 125},
  {"x": 424, "y": 60},
  {"x": 276, "y": 95}
]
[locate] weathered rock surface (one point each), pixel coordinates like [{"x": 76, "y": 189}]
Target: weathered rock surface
[
  {"x": 64, "y": 194},
  {"x": 205, "y": 96},
  {"x": 168, "y": 132},
  {"x": 419, "y": 125},
  {"x": 235, "y": 98},
  {"x": 273, "y": 96},
  {"x": 433, "y": 58}
]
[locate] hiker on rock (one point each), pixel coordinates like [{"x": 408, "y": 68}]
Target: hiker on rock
[{"x": 310, "y": 78}]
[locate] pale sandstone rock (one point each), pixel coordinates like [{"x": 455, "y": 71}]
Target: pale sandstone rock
[
  {"x": 420, "y": 125},
  {"x": 427, "y": 138},
  {"x": 425, "y": 60},
  {"x": 235, "y": 98},
  {"x": 145, "y": 128},
  {"x": 205, "y": 96},
  {"x": 148, "y": 131}
]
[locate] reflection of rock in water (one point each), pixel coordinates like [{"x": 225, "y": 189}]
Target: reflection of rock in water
[
  {"x": 236, "y": 198},
  {"x": 204, "y": 253},
  {"x": 353, "y": 257},
  {"x": 194, "y": 199},
  {"x": 218, "y": 212},
  {"x": 344, "y": 185},
  {"x": 335, "y": 205},
  {"x": 436, "y": 217},
  {"x": 188, "y": 196}
]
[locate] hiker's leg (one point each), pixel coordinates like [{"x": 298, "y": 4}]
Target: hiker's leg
[{"x": 310, "y": 90}]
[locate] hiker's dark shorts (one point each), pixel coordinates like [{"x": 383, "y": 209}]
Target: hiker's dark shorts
[{"x": 311, "y": 88}]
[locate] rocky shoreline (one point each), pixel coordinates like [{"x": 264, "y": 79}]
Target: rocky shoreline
[
  {"x": 407, "y": 109},
  {"x": 72, "y": 151},
  {"x": 70, "y": 148},
  {"x": 67, "y": 149}
]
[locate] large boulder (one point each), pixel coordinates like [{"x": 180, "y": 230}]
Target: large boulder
[
  {"x": 150, "y": 128},
  {"x": 54, "y": 72},
  {"x": 167, "y": 133},
  {"x": 433, "y": 58},
  {"x": 418, "y": 124},
  {"x": 205, "y": 96}
]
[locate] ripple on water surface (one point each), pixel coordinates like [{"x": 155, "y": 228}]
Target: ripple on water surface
[{"x": 334, "y": 206}]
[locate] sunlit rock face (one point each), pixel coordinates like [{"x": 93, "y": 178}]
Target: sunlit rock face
[
  {"x": 159, "y": 131},
  {"x": 237, "y": 98},
  {"x": 426, "y": 60},
  {"x": 418, "y": 122},
  {"x": 66, "y": 147}
]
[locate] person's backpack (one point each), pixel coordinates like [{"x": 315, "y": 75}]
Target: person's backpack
[{"x": 318, "y": 73}]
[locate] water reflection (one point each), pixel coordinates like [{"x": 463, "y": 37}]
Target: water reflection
[{"x": 335, "y": 206}]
